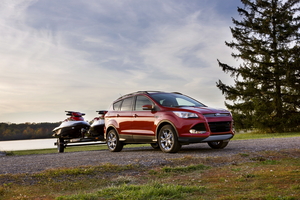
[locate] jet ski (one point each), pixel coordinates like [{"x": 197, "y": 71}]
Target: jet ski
[
  {"x": 74, "y": 131},
  {"x": 97, "y": 126},
  {"x": 73, "y": 127}
]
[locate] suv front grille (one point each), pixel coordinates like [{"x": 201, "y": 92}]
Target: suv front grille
[
  {"x": 219, "y": 126},
  {"x": 216, "y": 115}
]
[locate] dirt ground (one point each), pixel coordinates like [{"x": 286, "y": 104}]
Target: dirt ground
[{"x": 144, "y": 156}]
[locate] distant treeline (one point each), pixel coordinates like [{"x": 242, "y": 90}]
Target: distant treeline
[{"x": 11, "y": 131}]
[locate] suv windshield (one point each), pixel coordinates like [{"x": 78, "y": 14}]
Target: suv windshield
[{"x": 175, "y": 100}]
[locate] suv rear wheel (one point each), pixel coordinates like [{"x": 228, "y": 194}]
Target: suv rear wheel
[
  {"x": 167, "y": 139},
  {"x": 113, "y": 142}
]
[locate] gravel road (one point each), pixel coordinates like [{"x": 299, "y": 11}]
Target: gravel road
[{"x": 145, "y": 156}]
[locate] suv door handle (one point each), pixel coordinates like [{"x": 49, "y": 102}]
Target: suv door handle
[{"x": 135, "y": 115}]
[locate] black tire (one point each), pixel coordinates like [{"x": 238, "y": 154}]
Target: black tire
[
  {"x": 155, "y": 145},
  {"x": 60, "y": 145},
  {"x": 113, "y": 142},
  {"x": 218, "y": 144},
  {"x": 167, "y": 139}
]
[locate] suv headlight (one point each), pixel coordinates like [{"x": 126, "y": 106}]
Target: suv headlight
[{"x": 185, "y": 114}]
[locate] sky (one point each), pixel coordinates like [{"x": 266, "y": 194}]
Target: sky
[{"x": 81, "y": 55}]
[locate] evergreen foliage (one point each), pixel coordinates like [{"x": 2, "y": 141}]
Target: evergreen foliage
[{"x": 266, "y": 93}]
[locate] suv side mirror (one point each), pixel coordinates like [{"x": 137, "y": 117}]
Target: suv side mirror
[{"x": 147, "y": 107}]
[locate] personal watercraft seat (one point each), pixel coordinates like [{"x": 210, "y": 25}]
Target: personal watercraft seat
[{"x": 75, "y": 116}]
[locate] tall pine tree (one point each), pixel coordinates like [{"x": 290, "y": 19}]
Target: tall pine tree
[{"x": 266, "y": 93}]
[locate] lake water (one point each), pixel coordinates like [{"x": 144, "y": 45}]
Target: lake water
[{"x": 13, "y": 145}]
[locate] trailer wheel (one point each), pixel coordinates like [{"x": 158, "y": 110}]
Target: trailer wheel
[{"x": 60, "y": 145}]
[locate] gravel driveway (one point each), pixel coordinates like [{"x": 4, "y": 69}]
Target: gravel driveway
[{"x": 146, "y": 156}]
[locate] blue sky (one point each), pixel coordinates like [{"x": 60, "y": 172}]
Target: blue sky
[{"x": 82, "y": 54}]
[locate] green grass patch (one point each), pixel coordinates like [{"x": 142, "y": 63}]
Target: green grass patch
[
  {"x": 54, "y": 150},
  {"x": 69, "y": 149},
  {"x": 85, "y": 170},
  {"x": 185, "y": 169},
  {"x": 257, "y": 135},
  {"x": 155, "y": 191}
]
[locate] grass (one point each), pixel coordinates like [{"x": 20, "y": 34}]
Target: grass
[
  {"x": 256, "y": 135},
  {"x": 54, "y": 150},
  {"x": 263, "y": 175},
  {"x": 68, "y": 149},
  {"x": 185, "y": 169},
  {"x": 152, "y": 190}
]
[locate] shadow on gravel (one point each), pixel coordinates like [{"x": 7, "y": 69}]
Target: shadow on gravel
[{"x": 186, "y": 149}]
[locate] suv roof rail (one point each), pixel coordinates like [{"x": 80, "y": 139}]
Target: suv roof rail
[
  {"x": 138, "y": 92},
  {"x": 176, "y": 93},
  {"x": 149, "y": 91},
  {"x": 130, "y": 94},
  {"x": 144, "y": 92}
]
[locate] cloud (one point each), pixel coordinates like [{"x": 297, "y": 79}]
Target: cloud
[{"x": 59, "y": 55}]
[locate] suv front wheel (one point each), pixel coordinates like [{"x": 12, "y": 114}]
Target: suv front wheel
[
  {"x": 113, "y": 142},
  {"x": 167, "y": 139}
]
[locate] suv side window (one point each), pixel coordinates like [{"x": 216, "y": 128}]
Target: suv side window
[
  {"x": 127, "y": 104},
  {"x": 116, "y": 105},
  {"x": 141, "y": 101}
]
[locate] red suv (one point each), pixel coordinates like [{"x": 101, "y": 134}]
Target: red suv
[{"x": 166, "y": 121}]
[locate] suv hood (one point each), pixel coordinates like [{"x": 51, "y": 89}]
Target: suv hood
[{"x": 206, "y": 110}]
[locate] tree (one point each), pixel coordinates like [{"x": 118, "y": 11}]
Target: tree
[
  {"x": 11, "y": 131},
  {"x": 266, "y": 92}
]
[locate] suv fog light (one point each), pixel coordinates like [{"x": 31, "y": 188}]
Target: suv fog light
[{"x": 193, "y": 131}]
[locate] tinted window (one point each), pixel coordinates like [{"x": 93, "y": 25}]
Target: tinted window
[
  {"x": 141, "y": 101},
  {"x": 182, "y": 102},
  {"x": 116, "y": 105},
  {"x": 175, "y": 100},
  {"x": 127, "y": 104}
]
